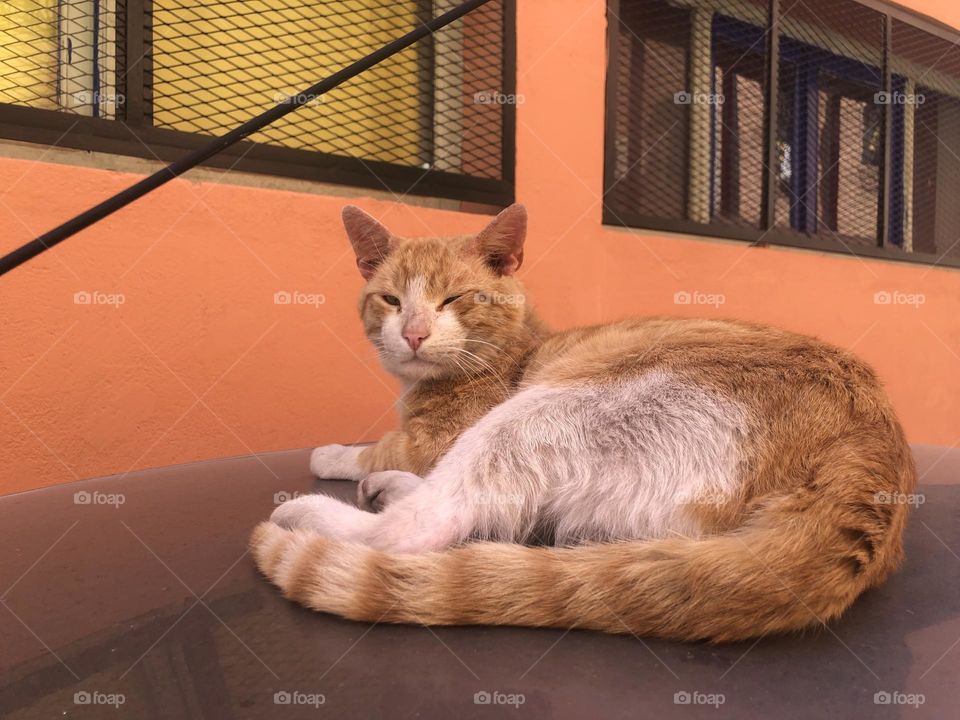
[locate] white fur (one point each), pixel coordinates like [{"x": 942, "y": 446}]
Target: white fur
[
  {"x": 337, "y": 462},
  {"x": 311, "y": 511},
  {"x": 604, "y": 461},
  {"x": 379, "y": 489}
]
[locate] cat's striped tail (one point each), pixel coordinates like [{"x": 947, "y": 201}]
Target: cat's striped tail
[{"x": 756, "y": 581}]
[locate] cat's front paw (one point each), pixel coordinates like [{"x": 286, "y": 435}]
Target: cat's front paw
[
  {"x": 293, "y": 514},
  {"x": 379, "y": 489},
  {"x": 337, "y": 462},
  {"x": 323, "y": 515}
]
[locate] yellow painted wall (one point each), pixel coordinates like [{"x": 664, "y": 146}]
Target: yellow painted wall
[
  {"x": 219, "y": 63},
  {"x": 28, "y": 52}
]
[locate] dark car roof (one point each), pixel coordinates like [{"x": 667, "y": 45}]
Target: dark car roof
[{"x": 134, "y": 596}]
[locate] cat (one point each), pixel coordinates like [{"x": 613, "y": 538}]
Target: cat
[{"x": 676, "y": 478}]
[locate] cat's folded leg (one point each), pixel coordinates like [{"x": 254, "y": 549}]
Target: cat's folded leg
[
  {"x": 326, "y": 516},
  {"x": 428, "y": 518},
  {"x": 431, "y": 517},
  {"x": 337, "y": 462},
  {"x": 380, "y": 489}
]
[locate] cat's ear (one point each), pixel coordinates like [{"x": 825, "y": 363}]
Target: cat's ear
[
  {"x": 371, "y": 241},
  {"x": 501, "y": 242}
]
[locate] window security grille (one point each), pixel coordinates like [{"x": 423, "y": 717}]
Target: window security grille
[
  {"x": 856, "y": 150},
  {"x": 435, "y": 119}
]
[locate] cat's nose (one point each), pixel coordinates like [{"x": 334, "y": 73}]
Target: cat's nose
[{"x": 415, "y": 338}]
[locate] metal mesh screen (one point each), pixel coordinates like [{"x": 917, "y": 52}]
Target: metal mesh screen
[
  {"x": 438, "y": 104},
  {"x": 687, "y": 147},
  {"x": 830, "y": 120},
  {"x": 739, "y": 43},
  {"x": 925, "y": 214},
  {"x": 650, "y": 139},
  {"x": 688, "y": 111},
  {"x": 59, "y": 56},
  {"x": 209, "y": 65}
]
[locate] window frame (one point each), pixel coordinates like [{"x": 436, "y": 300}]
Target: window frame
[
  {"x": 889, "y": 236},
  {"x": 131, "y": 133}
]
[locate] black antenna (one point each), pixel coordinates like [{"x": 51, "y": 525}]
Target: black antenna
[{"x": 125, "y": 197}]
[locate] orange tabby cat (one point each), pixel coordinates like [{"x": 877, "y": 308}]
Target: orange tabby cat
[{"x": 694, "y": 479}]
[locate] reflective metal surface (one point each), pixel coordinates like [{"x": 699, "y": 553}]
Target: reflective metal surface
[{"x": 134, "y": 597}]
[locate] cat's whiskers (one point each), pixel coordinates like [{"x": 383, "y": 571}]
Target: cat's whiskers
[
  {"x": 513, "y": 360},
  {"x": 484, "y": 342},
  {"x": 464, "y": 368},
  {"x": 481, "y": 364},
  {"x": 470, "y": 372}
]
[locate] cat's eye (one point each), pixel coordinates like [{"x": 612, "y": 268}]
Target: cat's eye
[
  {"x": 391, "y": 300},
  {"x": 450, "y": 299}
]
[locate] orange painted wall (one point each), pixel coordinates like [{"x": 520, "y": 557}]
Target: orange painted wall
[{"x": 199, "y": 362}]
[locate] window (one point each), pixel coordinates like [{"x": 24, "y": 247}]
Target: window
[
  {"x": 829, "y": 121},
  {"x": 59, "y": 56},
  {"x": 925, "y": 217},
  {"x": 152, "y": 77},
  {"x": 857, "y": 150}
]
